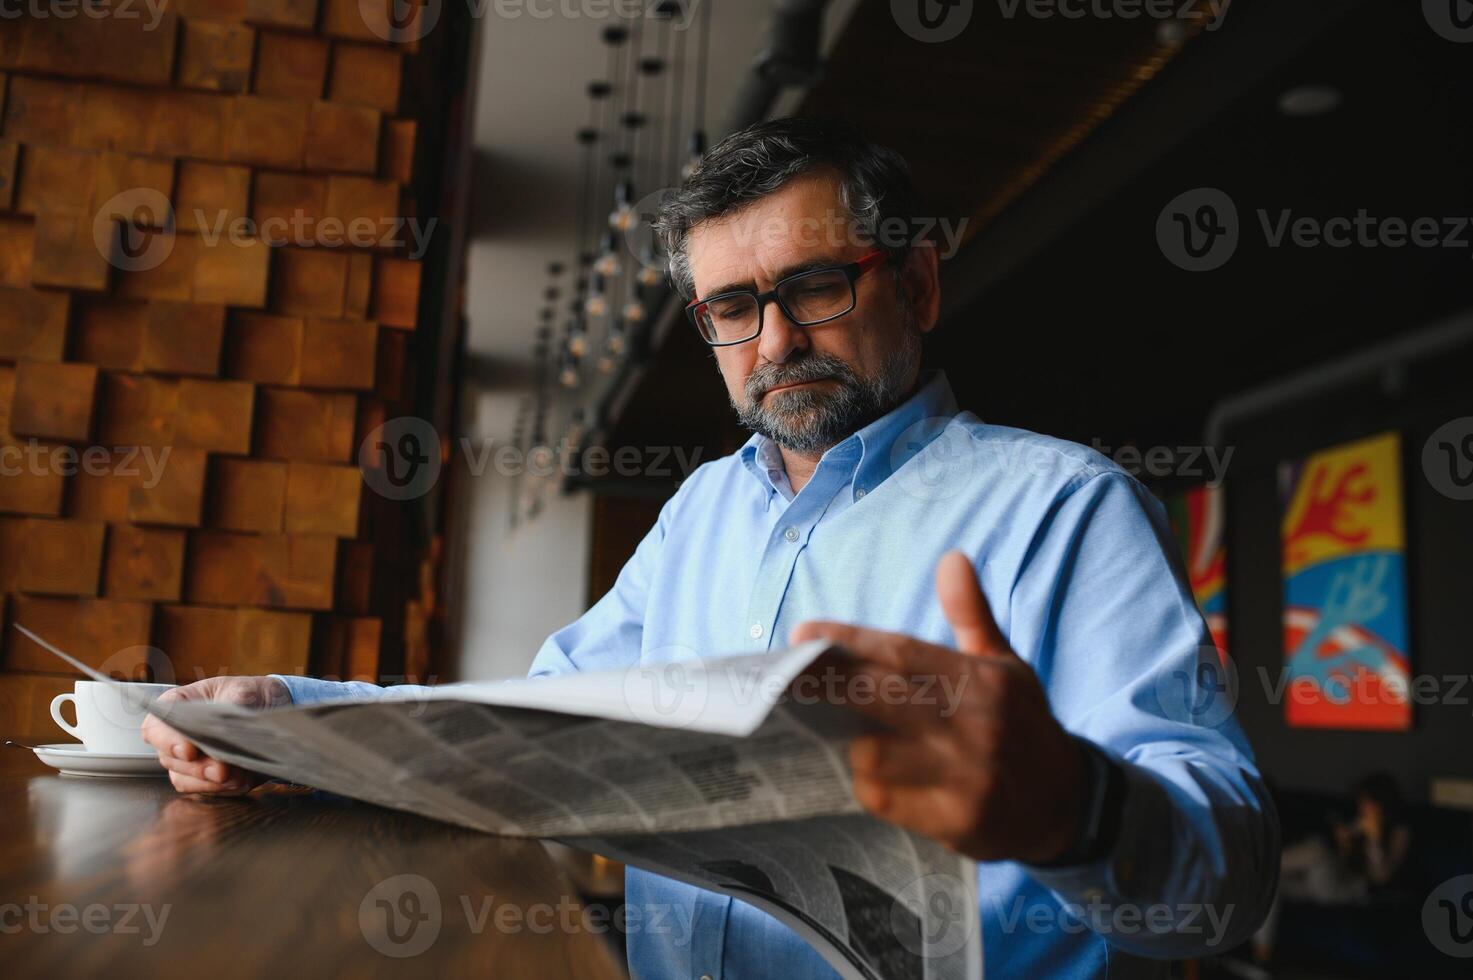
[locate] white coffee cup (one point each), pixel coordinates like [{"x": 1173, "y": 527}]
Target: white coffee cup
[{"x": 109, "y": 716}]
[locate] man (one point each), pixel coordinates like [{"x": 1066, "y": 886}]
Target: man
[{"x": 1114, "y": 820}]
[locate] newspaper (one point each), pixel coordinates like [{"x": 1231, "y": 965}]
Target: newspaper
[{"x": 703, "y": 771}]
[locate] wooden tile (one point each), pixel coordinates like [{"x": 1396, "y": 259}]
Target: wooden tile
[
  {"x": 55, "y": 179},
  {"x": 114, "y": 117},
  {"x": 347, "y": 647},
  {"x": 143, "y": 563},
  {"x": 33, "y": 323},
  {"x": 264, "y": 348},
  {"x": 227, "y": 11},
  {"x": 395, "y": 292},
  {"x": 191, "y": 124},
  {"x": 177, "y": 498},
  {"x": 347, "y": 19},
  {"x": 203, "y": 641},
  {"x": 365, "y": 74},
  {"x": 136, "y": 410},
  {"x": 109, "y": 332},
  {"x": 210, "y": 196},
  {"x": 30, "y": 483},
  {"x": 367, "y": 203},
  {"x": 322, "y": 499},
  {"x": 25, "y": 703},
  {"x": 64, "y": 252},
  {"x": 216, "y": 56},
  {"x": 282, "y": 13},
  {"x": 306, "y": 425},
  {"x": 268, "y": 642},
  {"x": 359, "y": 292},
  {"x": 338, "y": 353},
  {"x": 231, "y": 271},
  {"x": 214, "y": 415},
  {"x": 398, "y": 150},
  {"x": 342, "y": 138},
  {"x": 52, "y": 557},
  {"x": 247, "y": 495},
  {"x": 9, "y": 165},
  {"x": 134, "y": 187},
  {"x": 102, "y": 494},
  {"x": 15, "y": 251},
  {"x": 54, "y": 401},
  {"x": 267, "y": 131},
  {"x": 309, "y": 282},
  {"x": 183, "y": 338},
  {"x": 276, "y": 571},
  {"x": 291, "y": 66},
  {"x": 172, "y": 278},
  {"x": 286, "y": 207},
  {"x": 108, "y": 634},
  {"x": 39, "y": 110}
]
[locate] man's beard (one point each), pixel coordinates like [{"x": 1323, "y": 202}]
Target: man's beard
[{"x": 809, "y": 420}]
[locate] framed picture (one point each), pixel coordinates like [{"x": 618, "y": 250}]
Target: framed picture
[
  {"x": 1197, "y": 520},
  {"x": 1345, "y": 596}
]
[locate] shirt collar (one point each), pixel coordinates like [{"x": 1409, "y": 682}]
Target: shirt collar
[{"x": 874, "y": 452}]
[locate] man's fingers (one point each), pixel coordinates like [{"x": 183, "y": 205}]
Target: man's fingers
[
  {"x": 913, "y": 760},
  {"x": 921, "y": 809},
  {"x": 191, "y": 784},
  {"x": 965, "y": 607},
  {"x": 167, "y": 740}
]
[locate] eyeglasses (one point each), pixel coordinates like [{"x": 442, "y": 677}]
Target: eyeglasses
[{"x": 806, "y": 299}]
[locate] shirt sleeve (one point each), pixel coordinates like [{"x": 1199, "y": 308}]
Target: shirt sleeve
[
  {"x": 305, "y": 690},
  {"x": 1102, "y": 609},
  {"x": 611, "y": 632}
]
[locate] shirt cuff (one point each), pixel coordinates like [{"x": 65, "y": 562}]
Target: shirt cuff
[{"x": 306, "y": 690}]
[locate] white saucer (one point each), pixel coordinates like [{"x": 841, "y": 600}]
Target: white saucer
[{"x": 74, "y": 760}]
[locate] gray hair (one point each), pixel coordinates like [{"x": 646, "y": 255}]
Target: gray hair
[{"x": 875, "y": 184}]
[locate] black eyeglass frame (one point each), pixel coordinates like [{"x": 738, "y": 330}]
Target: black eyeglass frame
[{"x": 852, "y": 271}]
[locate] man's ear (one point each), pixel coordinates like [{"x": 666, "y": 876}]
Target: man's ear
[{"x": 920, "y": 279}]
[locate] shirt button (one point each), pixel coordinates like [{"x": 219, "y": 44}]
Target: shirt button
[
  {"x": 859, "y": 493},
  {"x": 791, "y": 534},
  {"x": 705, "y": 976},
  {"x": 756, "y": 631}
]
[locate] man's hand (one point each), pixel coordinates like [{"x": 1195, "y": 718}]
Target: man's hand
[
  {"x": 988, "y": 772},
  {"x": 190, "y": 770}
]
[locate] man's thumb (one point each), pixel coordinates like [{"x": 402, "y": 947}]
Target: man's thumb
[{"x": 965, "y": 607}]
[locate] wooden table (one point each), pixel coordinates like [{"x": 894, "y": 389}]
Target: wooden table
[{"x": 123, "y": 877}]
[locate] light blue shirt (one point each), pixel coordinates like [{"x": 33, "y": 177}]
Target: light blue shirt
[{"x": 1077, "y": 562}]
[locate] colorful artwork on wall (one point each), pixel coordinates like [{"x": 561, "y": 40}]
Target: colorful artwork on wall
[
  {"x": 1197, "y": 520},
  {"x": 1345, "y": 595}
]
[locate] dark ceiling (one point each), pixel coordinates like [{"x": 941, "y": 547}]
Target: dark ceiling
[{"x": 1065, "y": 316}]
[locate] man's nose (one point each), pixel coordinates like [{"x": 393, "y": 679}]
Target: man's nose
[{"x": 781, "y": 337}]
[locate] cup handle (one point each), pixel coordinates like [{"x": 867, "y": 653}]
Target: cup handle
[{"x": 56, "y": 704}]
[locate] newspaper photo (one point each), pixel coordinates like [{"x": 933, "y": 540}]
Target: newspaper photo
[{"x": 702, "y": 771}]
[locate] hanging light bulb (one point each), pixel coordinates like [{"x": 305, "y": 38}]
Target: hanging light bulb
[
  {"x": 651, "y": 268},
  {"x": 568, "y": 373},
  {"x": 697, "y": 153},
  {"x": 624, "y": 218},
  {"x": 616, "y": 343},
  {"x": 607, "y": 263},
  {"x": 597, "y": 303},
  {"x": 577, "y": 339},
  {"x": 634, "y": 311}
]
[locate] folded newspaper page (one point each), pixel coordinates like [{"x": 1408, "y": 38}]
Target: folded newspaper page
[{"x": 706, "y": 771}]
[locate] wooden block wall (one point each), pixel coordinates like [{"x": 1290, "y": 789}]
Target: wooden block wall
[{"x": 216, "y": 382}]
